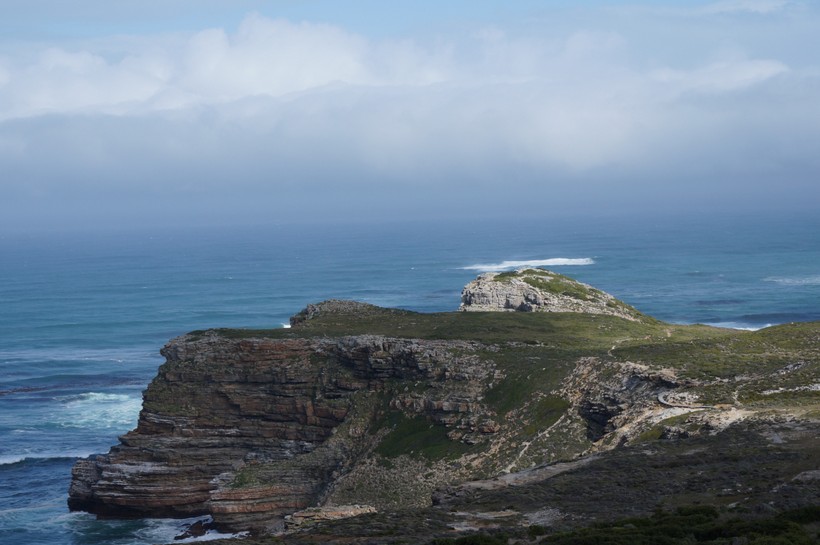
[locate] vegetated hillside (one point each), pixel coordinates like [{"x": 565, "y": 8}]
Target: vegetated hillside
[{"x": 464, "y": 421}]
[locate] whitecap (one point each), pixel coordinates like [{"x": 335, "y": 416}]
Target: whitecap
[
  {"x": 552, "y": 262},
  {"x": 93, "y": 397},
  {"x": 739, "y": 325},
  {"x": 794, "y": 280},
  {"x": 166, "y": 531},
  {"x": 10, "y": 459},
  {"x": 98, "y": 410},
  {"x": 285, "y": 326}
]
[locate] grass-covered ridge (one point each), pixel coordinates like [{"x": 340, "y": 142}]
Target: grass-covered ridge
[
  {"x": 555, "y": 329},
  {"x": 539, "y": 348}
]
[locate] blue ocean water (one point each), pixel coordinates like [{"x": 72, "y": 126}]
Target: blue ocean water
[{"x": 83, "y": 315}]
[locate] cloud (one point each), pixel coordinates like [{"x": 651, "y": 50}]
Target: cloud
[{"x": 307, "y": 112}]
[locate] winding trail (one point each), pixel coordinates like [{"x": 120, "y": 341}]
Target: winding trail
[{"x": 663, "y": 401}]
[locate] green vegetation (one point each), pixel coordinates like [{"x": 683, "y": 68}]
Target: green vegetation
[
  {"x": 475, "y": 539},
  {"x": 655, "y": 432},
  {"x": 418, "y": 437},
  {"x": 698, "y": 524},
  {"x": 560, "y": 285},
  {"x": 246, "y": 476},
  {"x": 718, "y": 353},
  {"x": 529, "y": 370},
  {"x": 536, "y": 351},
  {"x": 547, "y": 411},
  {"x": 549, "y": 282}
]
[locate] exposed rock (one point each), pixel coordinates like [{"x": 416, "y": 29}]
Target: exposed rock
[
  {"x": 539, "y": 290},
  {"x": 250, "y": 430},
  {"x": 196, "y": 529},
  {"x": 333, "y": 306},
  {"x": 319, "y": 514}
]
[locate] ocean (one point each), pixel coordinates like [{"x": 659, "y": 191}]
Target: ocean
[{"x": 83, "y": 315}]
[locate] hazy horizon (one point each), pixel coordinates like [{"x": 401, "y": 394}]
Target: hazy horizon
[{"x": 249, "y": 112}]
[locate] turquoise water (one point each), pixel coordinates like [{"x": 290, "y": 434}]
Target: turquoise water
[{"x": 83, "y": 315}]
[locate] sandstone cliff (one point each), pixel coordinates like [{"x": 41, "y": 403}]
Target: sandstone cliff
[{"x": 379, "y": 408}]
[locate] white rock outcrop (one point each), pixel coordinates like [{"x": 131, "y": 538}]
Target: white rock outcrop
[{"x": 539, "y": 290}]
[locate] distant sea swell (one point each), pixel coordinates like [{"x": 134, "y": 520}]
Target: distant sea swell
[
  {"x": 508, "y": 265},
  {"x": 795, "y": 281}
]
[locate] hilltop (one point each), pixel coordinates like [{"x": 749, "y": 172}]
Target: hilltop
[{"x": 540, "y": 290}]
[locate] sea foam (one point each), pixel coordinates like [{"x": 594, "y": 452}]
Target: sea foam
[
  {"x": 794, "y": 280},
  {"x": 168, "y": 530},
  {"x": 506, "y": 265},
  {"x": 739, "y": 325},
  {"x": 10, "y": 459},
  {"x": 99, "y": 411}
]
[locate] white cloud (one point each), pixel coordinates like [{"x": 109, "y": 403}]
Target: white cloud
[
  {"x": 276, "y": 104},
  {"x": 263, "y": 57},
  {"x": 579, "y": 77},
  {"x": 271, "y": 57}
]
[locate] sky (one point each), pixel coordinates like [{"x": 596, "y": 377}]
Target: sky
[{"x": 193, "y": 112}]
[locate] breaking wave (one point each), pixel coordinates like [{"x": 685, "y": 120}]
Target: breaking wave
[
  {"x": 98, "y": 410},
  {"x": 11, "y": 459},
  {"x": 739, "y": 325},
  {"x": 505, "y": 265},
  {"x": 166, "y": 531},
  {"x": 794, "y": 280}
]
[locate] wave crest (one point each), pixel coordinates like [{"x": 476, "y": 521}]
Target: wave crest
[
  {"x": 794, "y": 280},
  {"x": 11, "y": 459},
  {"x": 552, "y": 262},
  {"x": 739, "y": 325}
]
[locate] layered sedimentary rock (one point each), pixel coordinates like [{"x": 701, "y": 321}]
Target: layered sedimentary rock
[
  {"x": 250, "y": 429},
  {"x": 539, "y": 290}
]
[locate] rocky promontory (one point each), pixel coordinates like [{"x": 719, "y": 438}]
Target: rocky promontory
[
  {"x": 366, "y": 411},
  {"x": 539, "y": 290}
]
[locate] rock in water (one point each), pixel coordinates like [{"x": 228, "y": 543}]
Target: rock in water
[{"x": 539, "y": 290}]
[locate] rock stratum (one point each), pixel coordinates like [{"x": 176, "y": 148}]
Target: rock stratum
[{"x": 432, "y": 421}]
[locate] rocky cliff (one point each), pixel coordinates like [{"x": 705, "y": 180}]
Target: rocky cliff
[
  {"x": 539, "y": 290},
  {"x": 378, "y": 408},
  {"x": 252, "y": 429}
]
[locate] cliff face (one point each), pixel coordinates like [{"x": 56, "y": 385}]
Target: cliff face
[
  {"x": 212, "y": 404},
  {"x": 251, "y": 429},
  {"x": 379, "y": 408}
]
